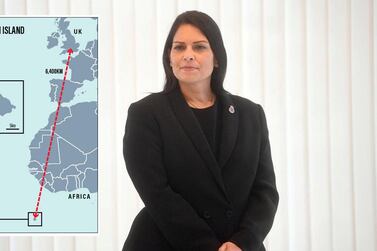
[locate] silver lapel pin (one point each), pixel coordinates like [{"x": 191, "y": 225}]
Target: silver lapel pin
[{"x": 231, "y": 109}]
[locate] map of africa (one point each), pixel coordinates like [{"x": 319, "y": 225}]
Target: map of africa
[{"x": 49, "y": 124}]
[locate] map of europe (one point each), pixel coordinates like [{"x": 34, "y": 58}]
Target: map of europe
[{"x": 73, "y": 161}]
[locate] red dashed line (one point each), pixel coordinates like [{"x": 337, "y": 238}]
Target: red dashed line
[{"x": 52, "y": 136}]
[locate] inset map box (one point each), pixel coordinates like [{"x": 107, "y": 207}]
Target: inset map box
[
  {"x": 11, "y": 106},
  {"x": 33, "y": 221}
]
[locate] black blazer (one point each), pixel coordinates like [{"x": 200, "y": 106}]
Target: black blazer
[{"x": 192, "y": 201}]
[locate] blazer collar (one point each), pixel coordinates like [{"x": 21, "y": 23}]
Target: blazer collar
[
  {"x": 193, "y": 130},
  {"x": 229, "y": 129}
]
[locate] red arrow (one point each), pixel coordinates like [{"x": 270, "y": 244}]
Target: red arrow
[{"x": 35, "y": 214}]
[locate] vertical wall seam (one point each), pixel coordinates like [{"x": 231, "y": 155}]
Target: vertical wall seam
[
  {"x": 262, "y": 61},
  {"x": 328, "y": 126},
  {"x": 176, "y": 7},
  {"x": 117, "y": 123},
  {"x": 242, "y": 48},
  {"x": 219, "y": 13},
  {"x": 133, "y": 45},
  {"x": 32, "y": 241},
  {"x": 8, "y": 243},
  {"x": 373, "y": 133},
  {"x": 47, "y": 6},
  {"x": 134, "y": 54},
  {"x": 306, "y": 116},
  {"x": 136, "y": 77},
  {"x": 115, "y": 191},
  {"x": 74, "y": 242},
  {"x": 349, "y": 28},
  {"x": 91, "y": 12},
  {"x": 262, "y": 48},
  {"x": 69, "y": 7},
  {"x": 242, "y": 45},
  {"x": 156, "y": 38},
  {"x": 284, "y": 97},
  {"x": 289, "y": 167}
]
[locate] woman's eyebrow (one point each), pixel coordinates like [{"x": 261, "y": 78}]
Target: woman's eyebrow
[
  {"x": 201, "y": 41},
  {"x": 196, "y": 42}
]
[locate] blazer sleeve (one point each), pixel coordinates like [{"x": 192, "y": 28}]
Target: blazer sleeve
[
  {"x": 174, "y": 216},
  {"x": 263, "y": 200}
]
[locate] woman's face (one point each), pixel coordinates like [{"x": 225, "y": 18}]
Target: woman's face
[{"x": 191, "y": 56}]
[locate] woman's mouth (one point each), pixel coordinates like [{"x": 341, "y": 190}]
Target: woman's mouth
[{"x": 189, "y": 68}]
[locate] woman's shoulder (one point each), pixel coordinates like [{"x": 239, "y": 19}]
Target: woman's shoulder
[
  {"x": 151, "y": 99},
  {"x": 148, "y": 103},
  {"x": 249, "y": 109},
  {"x": 243, "y": 103}
]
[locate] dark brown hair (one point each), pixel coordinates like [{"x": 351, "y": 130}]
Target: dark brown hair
[{"x": 212, "y": 32}]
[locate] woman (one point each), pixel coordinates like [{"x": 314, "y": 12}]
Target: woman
[{"x": 198, "y": 156}]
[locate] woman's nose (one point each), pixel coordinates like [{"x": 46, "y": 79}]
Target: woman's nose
[
  {"x": 188, "y": 54},
  {"x": 188, "y": 58}
]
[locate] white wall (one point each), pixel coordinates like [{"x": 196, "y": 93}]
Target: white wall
[{"x": 311, "y": 64}]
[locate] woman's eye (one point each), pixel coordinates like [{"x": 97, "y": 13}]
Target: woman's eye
[
  {"x": 200, "y": 47},
  {"x": 178, "y": 47}
]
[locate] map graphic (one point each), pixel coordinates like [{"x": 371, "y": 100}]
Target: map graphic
[{"x": 49, "y": 125}]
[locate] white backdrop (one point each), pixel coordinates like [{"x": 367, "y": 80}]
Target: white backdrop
[{"x": 310, "y": 63}]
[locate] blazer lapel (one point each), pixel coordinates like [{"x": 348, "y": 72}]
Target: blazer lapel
[
  {"x": 229, "y": 128},
  {"x": 192, "y": 128}
]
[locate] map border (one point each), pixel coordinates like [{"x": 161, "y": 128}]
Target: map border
[{"x": 61, "y": 233}]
